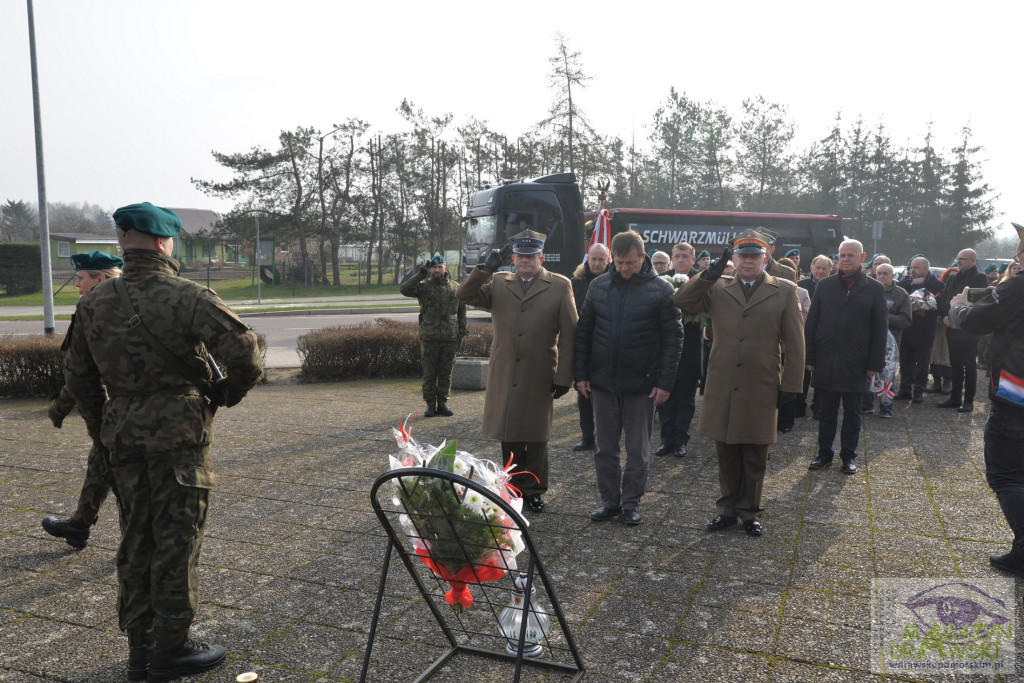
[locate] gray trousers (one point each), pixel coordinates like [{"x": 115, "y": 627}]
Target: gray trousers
[{"x": 613, "y": 415}]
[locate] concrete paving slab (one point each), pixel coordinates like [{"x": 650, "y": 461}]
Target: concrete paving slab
[{"x": 293, "y": 553}]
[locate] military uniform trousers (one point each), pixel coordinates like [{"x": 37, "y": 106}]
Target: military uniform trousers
[
  {"x": 530, "y": 475},
  {"x": 615, "y": 415},
  {"x": 94, "y": 489},
  {"x": 741, "y": 468},
  {"x": 158, "y": 559},
  {"x": 438, "y": 358}
]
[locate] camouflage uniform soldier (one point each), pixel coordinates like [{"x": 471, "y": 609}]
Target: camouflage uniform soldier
[
  {"x": 145, "y": 336},
  {"x": 90, "y": 270},
  {"x": 442, "y": 327}
]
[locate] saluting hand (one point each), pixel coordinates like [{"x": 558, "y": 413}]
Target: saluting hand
[{"x": 715, "y": 270}]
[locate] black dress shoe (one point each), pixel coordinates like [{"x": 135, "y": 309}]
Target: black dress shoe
[
  {"x": 190, "y": 657},
  {"x": 948, "y": 403},
  {"x": 584, "y": 445},
  {"x": 720, "y": 522},
  {"x": 902, "y": 396},
  {"x": 68, "y": 529},
  {"x": 918, "y": 398},
  {"x": 967, "y": 407},
  {"x": 603, "y": 514},
  {"x": 535, "y": 503},
  {"x": 680, "y": 451},
  {"x": 849, "y": 467},
  {"x": 631, "y": 517},
  {"x": 663, "y": 450},
  {"x": 1013, "y": 564},
  {"x": 819, "y": 463},
  {"x": 785, "y": 429},
  {"x": 753, "y": 527}
]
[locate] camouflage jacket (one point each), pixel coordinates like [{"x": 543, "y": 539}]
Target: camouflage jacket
[
  {"x": 152, "y": 407},
  {"x": 442, "y": 317}
]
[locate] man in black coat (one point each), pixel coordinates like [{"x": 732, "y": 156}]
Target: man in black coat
[
  {"x": 963, "y": 347},
  {"x": 845, "y": 346},
  {"x": 821, "y": 266},
  {"x": 626, "y": 351},
  {"x": 676, "y": 414},
  {"x": 917, "y": 340},
  {"x": 596, "y": 264},
  {"x": 1002, "y": 315}
]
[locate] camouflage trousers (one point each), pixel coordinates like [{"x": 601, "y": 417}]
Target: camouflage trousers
[
  {"x": 438, "y": 359},
  {"x": 165, "y": 497},
  {"x": 95, "y": 487}
]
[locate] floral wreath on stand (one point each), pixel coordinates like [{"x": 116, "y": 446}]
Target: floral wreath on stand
[{"x": 459, "y": 534}]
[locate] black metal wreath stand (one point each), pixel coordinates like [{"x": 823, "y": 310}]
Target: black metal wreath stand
[{"x": 474, "y": 631}]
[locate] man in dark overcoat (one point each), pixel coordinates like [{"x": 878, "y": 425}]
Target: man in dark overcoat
[
  {"x": 963, "y": 346},
  {"x": 755, "y": 315},
  {"x": 598, "y": 258},
  {"x": 531, "y": 355},
  {"x": 846, "y": 331}
]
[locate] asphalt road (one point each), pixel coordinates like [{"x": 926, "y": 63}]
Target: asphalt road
[{"x": 282, "y": 331}]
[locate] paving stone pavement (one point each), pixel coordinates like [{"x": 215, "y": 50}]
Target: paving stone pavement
[{"x": 293, "y": 553}]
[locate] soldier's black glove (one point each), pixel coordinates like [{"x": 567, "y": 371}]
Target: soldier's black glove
[
  {"x": 558, "y": 391},
  {"x": 786, "y": 397},
  {"x": 227, "y": 395},
  {"x": 715, "y": 270},
  {"x": 424, "y": 271},
  {"x": 55, "y": 417},
  {"x": 496, "y": 258}
]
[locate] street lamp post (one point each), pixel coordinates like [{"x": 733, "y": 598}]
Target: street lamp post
[{"x": 44, "y": 221}]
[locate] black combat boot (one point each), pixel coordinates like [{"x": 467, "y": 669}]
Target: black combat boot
[
  {"x": 71, "y": 531},
  {"x": 191, "y": 657},
  {"x": 443, "y": 409},
  {"x": 431, "y": 410},
  {"x": 139, "y": 656}
]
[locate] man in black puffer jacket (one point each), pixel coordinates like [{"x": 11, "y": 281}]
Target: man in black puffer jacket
[{"x": 628, "y": 341}]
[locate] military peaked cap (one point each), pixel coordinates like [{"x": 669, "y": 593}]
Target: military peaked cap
[
  {"x": 528, "y": 242},
  {"x": 750, "y": 242}
]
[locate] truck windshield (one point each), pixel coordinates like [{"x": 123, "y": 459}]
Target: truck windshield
[{"x": 482, "y": 230}]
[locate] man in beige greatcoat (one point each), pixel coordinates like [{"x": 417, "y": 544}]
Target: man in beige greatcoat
[
  {"x": 752, "y": 325},
  {"x": 531, "y": 356}
]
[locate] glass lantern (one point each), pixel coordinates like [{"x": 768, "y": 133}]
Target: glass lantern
[{"x": 538, "y": 621}]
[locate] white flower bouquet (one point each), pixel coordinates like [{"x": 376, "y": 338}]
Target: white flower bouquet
[{"x": 462, "y": 536}]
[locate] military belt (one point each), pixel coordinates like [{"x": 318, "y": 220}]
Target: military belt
[{"x": 172, "y": 391}]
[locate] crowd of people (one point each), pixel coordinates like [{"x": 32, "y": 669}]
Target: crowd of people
[{"x": 637, "y": 334}]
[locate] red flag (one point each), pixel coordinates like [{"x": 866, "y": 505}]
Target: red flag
[{"x": 602, "y": 231}]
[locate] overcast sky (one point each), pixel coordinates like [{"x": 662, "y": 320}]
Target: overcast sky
[{"x": 135, "y": 94}]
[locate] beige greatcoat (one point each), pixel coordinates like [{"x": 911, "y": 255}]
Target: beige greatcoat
[
  {"x": 532, "y": 349},
  {"x": 745, "y": 371}
]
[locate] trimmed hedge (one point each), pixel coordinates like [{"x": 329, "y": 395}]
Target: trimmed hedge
[
  {"x": 21, "y": 272},
  {"x": 32, "y": 366},
  {"x": 382, "y": 348}
]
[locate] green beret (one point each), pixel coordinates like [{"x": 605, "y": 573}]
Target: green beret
[
  {"x": 96, "y": 260},
  {"x": 703, "y": 254},
  {"x": 990, "y": 267},
  {"x": 436, "y": 260},
  {"x": 152, "y": 220},
  {"x": 1003, "y": 267},
  {"x": 792, "y": 252}
]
